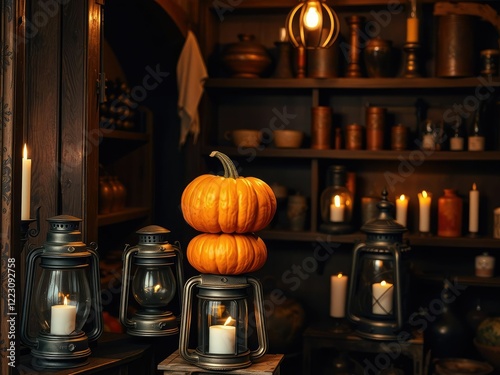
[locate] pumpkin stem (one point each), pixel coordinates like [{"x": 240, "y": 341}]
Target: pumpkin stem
[{"x": 227, "y": 163}]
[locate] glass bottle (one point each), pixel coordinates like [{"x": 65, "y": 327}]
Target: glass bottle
[
  {"x": 336, "y": 202},
  {"x": 457, "y": 137},
  {"x": 428, "y": 141},
  {"x": 476, "y": 134}
]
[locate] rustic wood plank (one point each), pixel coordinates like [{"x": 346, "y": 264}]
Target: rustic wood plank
[
  {"x": 42, "y": 111},
  {"x": 269, "y": 364}
]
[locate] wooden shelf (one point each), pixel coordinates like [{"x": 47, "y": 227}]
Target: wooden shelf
[
  {"x": 349, "y": 83},
  {"x": 129, "y": 213},
  {"x": 465, "y": 279},
  {"x": 352, "y": 238},
  {"x": 306, "y": 153},
  {"x": 123, "y": 135}
]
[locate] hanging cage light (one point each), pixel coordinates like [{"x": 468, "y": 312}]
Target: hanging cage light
[{"x": 312, "y": 24}]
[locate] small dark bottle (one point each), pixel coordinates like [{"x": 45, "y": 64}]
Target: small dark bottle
[
  {"x": 458, "y": 135},
  {"x": 476, "y": 133}
]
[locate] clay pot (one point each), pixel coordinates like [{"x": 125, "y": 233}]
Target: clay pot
[
  {"x": 449, "y": 214},
  {"x": 105, "y": 195},
  {"x": 247, "y": 58}
]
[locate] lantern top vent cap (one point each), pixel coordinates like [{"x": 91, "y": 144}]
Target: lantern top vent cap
[
  {"x": 152, "y": 234},
  {"x": 384, "y": 223}
]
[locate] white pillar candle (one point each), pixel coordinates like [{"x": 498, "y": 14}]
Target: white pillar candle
[
  {"x": 338, "y": 291},
  {"x": 382, "y": 298},
  {"x": 26, "y": 186},
  {"x": 474, "y": 209},
  {"x": 424, "y": 219},
  {"x": 336, "y": 210},
  {"x": 401, "y": 209},
  {"x": 221, "y": 339},
  {"x": 62, "y": 318}
]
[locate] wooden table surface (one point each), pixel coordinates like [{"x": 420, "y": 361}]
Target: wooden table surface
[{"x": 176, "y": 365}]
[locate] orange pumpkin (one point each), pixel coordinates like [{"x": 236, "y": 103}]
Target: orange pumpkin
[
  {"x": 226, "y": 254},
  {"x": 229, "y": 203}
]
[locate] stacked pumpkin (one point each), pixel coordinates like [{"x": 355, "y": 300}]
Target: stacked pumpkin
[{"x": 228, "y": 210}]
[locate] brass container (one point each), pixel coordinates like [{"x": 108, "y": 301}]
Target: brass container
[
  {"x": 322, "y": 62},
  {"x": 375, "y": 125},
  {"x": 399, "y": 137},
  {"x": 455, "y": 46},
  {"x": 321, "y": 127},
  {"x": 247, "y": 58},
  {"x": 353, "y": 137},
  {"x": 490, "y": 59}
]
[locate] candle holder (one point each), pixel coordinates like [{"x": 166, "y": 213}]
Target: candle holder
[
  {"x": 379, "y": 282},
  {"x": 354, "y": 62},
  {"x": 412, "y": 69},
  {"x": 223, "y": 325},
  {"x": 26, "y": 231},
  {"x": 61, "y": 298},
  {"x": 153, "y": 283}
]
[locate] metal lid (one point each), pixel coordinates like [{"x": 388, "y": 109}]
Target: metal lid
[{"x": 384, "y": 223}]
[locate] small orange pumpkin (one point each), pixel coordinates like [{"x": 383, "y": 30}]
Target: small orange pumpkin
[
  {"x": 226, "y": 254},
  {"x": 229, "y": 203}
]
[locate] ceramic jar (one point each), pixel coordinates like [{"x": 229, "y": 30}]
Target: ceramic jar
[
  {"x": 484, "y": 265},
  {"x": 247, "y": 58},
  {"x": 296, "y": 212},
  {"x": 449, "y": 214}
]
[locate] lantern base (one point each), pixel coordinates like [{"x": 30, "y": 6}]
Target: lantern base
[
  {"x": 153, "y": 325},
  {"x": 60, "y": 351},
  {"x": 336, "y": 228},
  {"x": 223, "y": 362},
  {"x": 377, "y": 331}
]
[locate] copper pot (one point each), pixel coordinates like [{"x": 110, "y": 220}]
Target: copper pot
[{"x": 247, "y": 58}]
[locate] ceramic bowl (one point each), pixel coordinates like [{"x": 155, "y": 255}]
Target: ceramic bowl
[
  {"x": 490, "y": 353},
  {"x": 461, "y": 366},
  {"x": 288, "y": 138},
  {"x": 244, "y": 137}
]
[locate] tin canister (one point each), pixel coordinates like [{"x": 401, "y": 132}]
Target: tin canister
[
  {"x": 455, "y": 41},
  {"x": 490, "y": 59},
  {"x": 375, "y": 125},
  {"x": 399, "y": 137},
  {"x": 321, "y": 127},
  {"x": 353, "y": 137}
]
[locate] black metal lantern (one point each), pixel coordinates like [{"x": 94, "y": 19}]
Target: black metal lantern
[
  {"x": 378, "y": 289},
  {"x": 223, "y": 322},
  {"x": 153, "y": 283},
  {"x": 62, "y": 297}
]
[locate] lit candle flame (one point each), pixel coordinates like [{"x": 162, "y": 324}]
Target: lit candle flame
[
  {"x": 383, "y": 283},
  {"x": 474, "y": 187},
  {"x": 157, "y": 288},
  {"x": 65, "y": 300},
  {"x": 424, "y": 194},
  {"x": 228, "y": 320},
  {"x": 402, "y": 197},
  {"x": 339, "y": 275},
  {"x": 25, "y": 152},
  {"x": 336, "y": 201}
]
